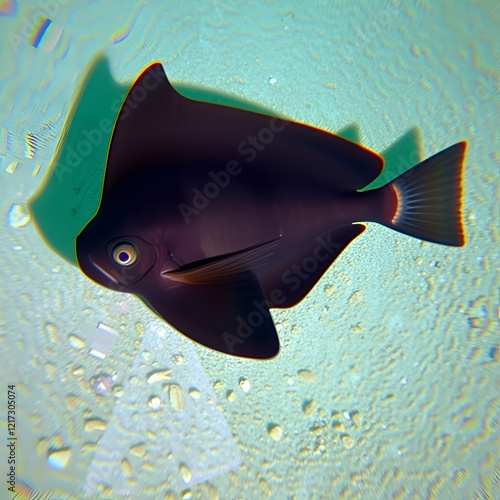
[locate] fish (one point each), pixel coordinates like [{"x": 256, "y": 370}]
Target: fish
[{"x": 213, "y": 215}]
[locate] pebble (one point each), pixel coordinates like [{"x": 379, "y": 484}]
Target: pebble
[
  {"x": 76, "y": 342},
  {"x": 358, "y": 328},
  {"x": 175, "y": 394},
  {"x": 355, "y": 298},
  {"x": 158, "y": 376},
  {"x": 118, "y": 391},
  {"x": 95, "y": 424},
  {"x": 72, "y": 402},
  {"x": 58, "y": 459},
  {"x": 266, "y": 489},
  {"x": 338, "y": 425},
  {"x": 347, "y": 441},
  {"x": 104, "y": 491},
  {"x": 154, "y": 402},
  {"x": 231, "y": 396},
  {"x": 185, "y": 473},
  {"x": 18, "y": 216},
  {"x": 11, "y": 168},
  {"x": 89, "y": 447},
  {"x": 357, "y": 418},
  {"x": 138, "y": 450},
  {"x": 140, "y": 330},
  {"x": 307, "y": 375},
  {"x": 275, "y": 432},
  {"x": 244, "y": 384},
  {"x": 52, "y": 332},
  {"x": 78, "y": 371},
  {"x": 42, "y": 446},
  {"x": 101, "y": 383},
  {"x": 213, "y": 494},
  {"x": 194, "y": 393},
  {"x": 179, "y": 359},
  {"x": 51, "y": 370},
  {"x": 126, "y": 467},
  {"x": 309, "y": 407},
  {"x": 56, "y": 443},
  {"x": 218, "y": 386},
  {"x": 316, "y": 429}
]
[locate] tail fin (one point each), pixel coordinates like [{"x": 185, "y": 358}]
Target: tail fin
[{"x": 429, "y": 198}]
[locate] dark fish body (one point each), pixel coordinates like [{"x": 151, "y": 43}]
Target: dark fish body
[{"x": 212, "y": 215}]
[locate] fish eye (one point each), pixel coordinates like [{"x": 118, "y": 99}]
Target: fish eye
[{"x": 124, "y": 254}]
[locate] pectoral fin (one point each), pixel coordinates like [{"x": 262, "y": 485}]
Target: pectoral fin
[{"x": 230, "y": 268}]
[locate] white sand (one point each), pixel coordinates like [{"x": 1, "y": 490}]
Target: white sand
[{"x": 401, "y": 336}]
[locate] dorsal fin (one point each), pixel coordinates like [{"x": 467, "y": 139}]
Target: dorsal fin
[
  {"x": 137, "y": 132},
  {"x": 158, "y": 126}
]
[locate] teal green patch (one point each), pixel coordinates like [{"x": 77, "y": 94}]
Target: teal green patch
[
  {"x": 399, "y": 157},
  {"x": 402, "y": 155},
  {"x": 70, "y": 193},
  {"x": 351, "y": 133}
]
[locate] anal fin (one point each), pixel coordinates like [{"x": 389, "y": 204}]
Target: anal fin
[{"x": 288, "y": 283}]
